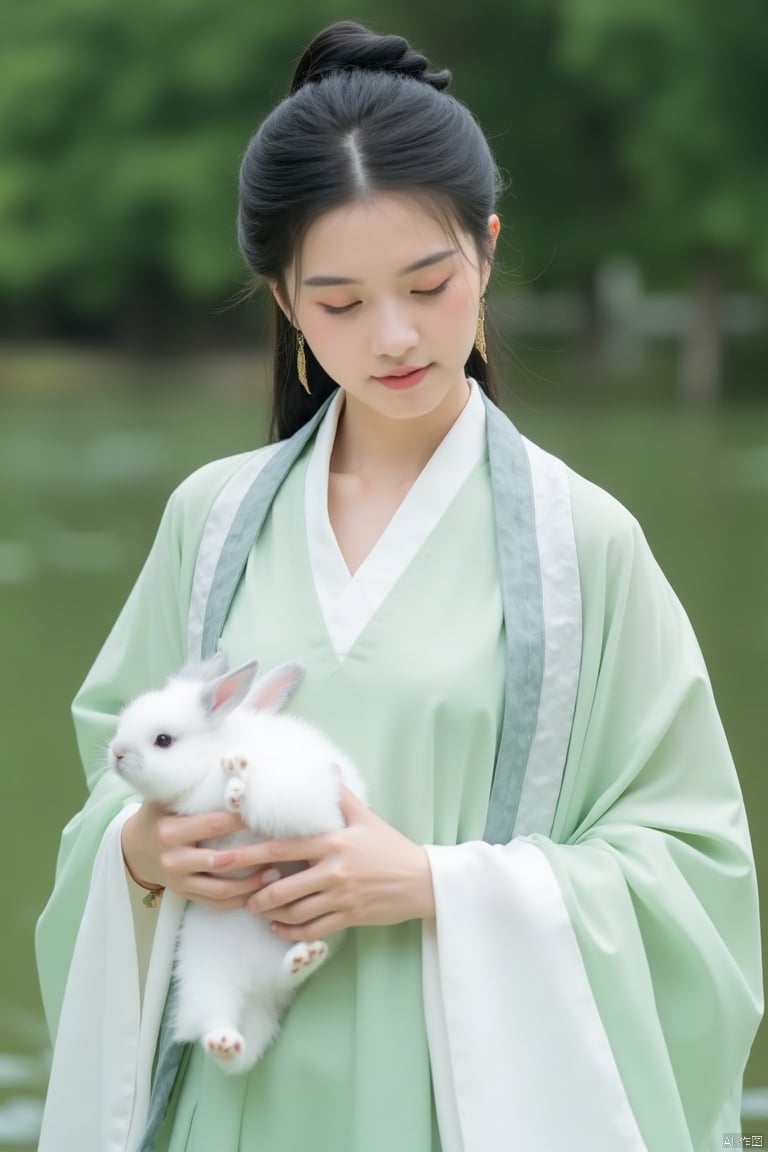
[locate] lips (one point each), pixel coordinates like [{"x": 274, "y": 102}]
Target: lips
[{"x": 401, "y": 378}]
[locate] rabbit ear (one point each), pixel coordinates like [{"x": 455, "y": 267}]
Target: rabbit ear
[
  {"x": 224, "y": 694},
  {"x": 274, "y": 689}
]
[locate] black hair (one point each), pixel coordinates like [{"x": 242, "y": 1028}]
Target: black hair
[{"x": 365, "y": 114}]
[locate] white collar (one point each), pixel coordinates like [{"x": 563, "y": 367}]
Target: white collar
[{"x": 349, "y": 601}]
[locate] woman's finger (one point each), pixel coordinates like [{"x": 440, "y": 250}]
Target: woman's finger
[
  {"x": 352, "y": 807},
  {"x": 201, "y": 886},
  {"x": 187, "y": 860},
  {"x": 298, "y": 912},
  {"x": 313, "y": 930},
  {"x": 174, "y": 831},
  {"x": 296, "y": 850},
  {"x": 283, "y": 891}
]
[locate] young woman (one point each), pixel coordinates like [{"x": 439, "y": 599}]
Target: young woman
[{"x": 554, "y": 930}]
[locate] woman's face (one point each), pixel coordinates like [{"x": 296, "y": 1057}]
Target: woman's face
[{"x": 388, "y": 302}]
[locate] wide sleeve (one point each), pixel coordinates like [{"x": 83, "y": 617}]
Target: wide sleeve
[
  {"x": 601, "y": 987},
  {"x": 145, "y": 645},
  {"x": 92, "y": 939}
]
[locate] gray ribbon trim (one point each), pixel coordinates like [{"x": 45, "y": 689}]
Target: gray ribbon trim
[
  {"x": 521, "y": 597},
  {"x": 171, "y": 1057},
  {"x": 246, "y": 526}
]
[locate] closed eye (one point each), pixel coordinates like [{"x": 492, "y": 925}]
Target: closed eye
[
  {"x": 334, "y": 310},
  {"x": 433, "y": 291}
]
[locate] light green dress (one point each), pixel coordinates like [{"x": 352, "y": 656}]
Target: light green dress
[{"x": 593, "y": 976}]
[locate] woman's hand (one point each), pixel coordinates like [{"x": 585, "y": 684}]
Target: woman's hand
[
  {"x": 367, "y": 873},
  {"x": 165, "y": 851}
]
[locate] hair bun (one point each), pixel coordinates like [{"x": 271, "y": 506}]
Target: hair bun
[{"x": 346, "y": 45}]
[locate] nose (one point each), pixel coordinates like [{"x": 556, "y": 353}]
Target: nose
[
  {"x": 118, "y": 752},
  {"x": 394, "y": 332}
]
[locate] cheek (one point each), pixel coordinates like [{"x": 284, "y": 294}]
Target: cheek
[
  {"x": 333, "y": 340},
  {"x": 327, "y": 335},
  {"x": 460, "y": 311},
  {"x": 322, "y": 330}
]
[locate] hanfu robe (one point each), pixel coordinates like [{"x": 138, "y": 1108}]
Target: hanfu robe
[{"x": 546, "y": 727}]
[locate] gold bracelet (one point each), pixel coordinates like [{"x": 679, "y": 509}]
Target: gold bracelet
[{"x": 154, "y": 892}]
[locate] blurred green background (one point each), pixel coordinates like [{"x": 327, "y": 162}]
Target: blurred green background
[{"x": 629, "y": 310}]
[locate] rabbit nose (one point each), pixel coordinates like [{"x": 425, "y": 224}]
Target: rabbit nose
[{"x": 118, "y": 752}]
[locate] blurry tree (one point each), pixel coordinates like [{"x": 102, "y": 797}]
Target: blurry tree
[
  {"x": 635, "y": 127},
  {"x": 122, "y": 126},
  {"x": 121, "y": 132},
  {"x": 688, "y": 81}
]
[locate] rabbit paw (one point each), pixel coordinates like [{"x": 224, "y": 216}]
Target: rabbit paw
[
  {"x": 226, "y": 1044},
  {"x": 233, "y": 793},
  {"x": 234, "y": 765},
  {"x": 302, "y": 959}
]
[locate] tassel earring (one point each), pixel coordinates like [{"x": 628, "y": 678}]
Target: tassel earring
[
  {"x": 480, "y": 336},
  {"x": 301, "y": 363}
]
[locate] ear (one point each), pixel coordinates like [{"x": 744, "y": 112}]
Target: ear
[
  {"x": 224, "y": 694},
  {"x": 273, "y": 690},
  {"x": 281, "y": 303},
  {"x": 494, "y": 228}
]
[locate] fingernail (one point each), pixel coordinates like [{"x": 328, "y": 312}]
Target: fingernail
[{"x": 269, "y": 875}]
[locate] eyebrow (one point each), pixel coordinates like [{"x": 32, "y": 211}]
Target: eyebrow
[{"x": 425, "y": 262}]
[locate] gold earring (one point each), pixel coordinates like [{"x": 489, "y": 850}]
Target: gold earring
[
  {"x": 301, "y": 363},
  {"x": 480, "y": 335}
]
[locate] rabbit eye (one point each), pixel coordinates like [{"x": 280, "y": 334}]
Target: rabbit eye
[{"x": 163, "y": 740}]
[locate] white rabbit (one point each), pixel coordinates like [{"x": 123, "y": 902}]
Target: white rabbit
[{"x": 213, "y": 740}]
